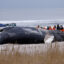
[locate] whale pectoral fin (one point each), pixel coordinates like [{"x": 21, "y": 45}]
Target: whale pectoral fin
[{"x": 49, "y": 38}]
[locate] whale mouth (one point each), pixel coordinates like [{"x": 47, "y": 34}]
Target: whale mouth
[{"x": 49, "y": 38}]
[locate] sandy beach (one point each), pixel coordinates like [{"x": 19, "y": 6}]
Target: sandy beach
[{"x": 31, "y": 48}]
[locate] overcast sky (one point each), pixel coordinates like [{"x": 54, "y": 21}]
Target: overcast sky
[
  {"x": 31, "y": 3},
  {"x": 31, "y": 9}
]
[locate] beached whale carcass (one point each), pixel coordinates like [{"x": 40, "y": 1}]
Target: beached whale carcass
[
  {"x": 29, "y": 35},
  {"x": 22, "y": 35}
]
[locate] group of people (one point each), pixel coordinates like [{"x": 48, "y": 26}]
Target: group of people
[{"x": 55, "y": 27}]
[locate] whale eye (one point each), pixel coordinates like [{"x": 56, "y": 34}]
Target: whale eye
[{"x": 1, "y": 30}]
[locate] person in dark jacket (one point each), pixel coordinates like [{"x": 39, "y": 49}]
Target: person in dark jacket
[{"x": 58, "y": 27}]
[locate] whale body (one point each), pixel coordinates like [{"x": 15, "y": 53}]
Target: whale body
[{"x": 28, "y": 35}]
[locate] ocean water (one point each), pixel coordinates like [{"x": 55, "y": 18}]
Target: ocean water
[{"x": 34, "y": 23}]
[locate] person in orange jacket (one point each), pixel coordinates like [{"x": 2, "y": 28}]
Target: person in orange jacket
[
  {"x": 61, "y": 28},
  {"x": 50, "y": 28},
  {"x": 54, "y": 28}
]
